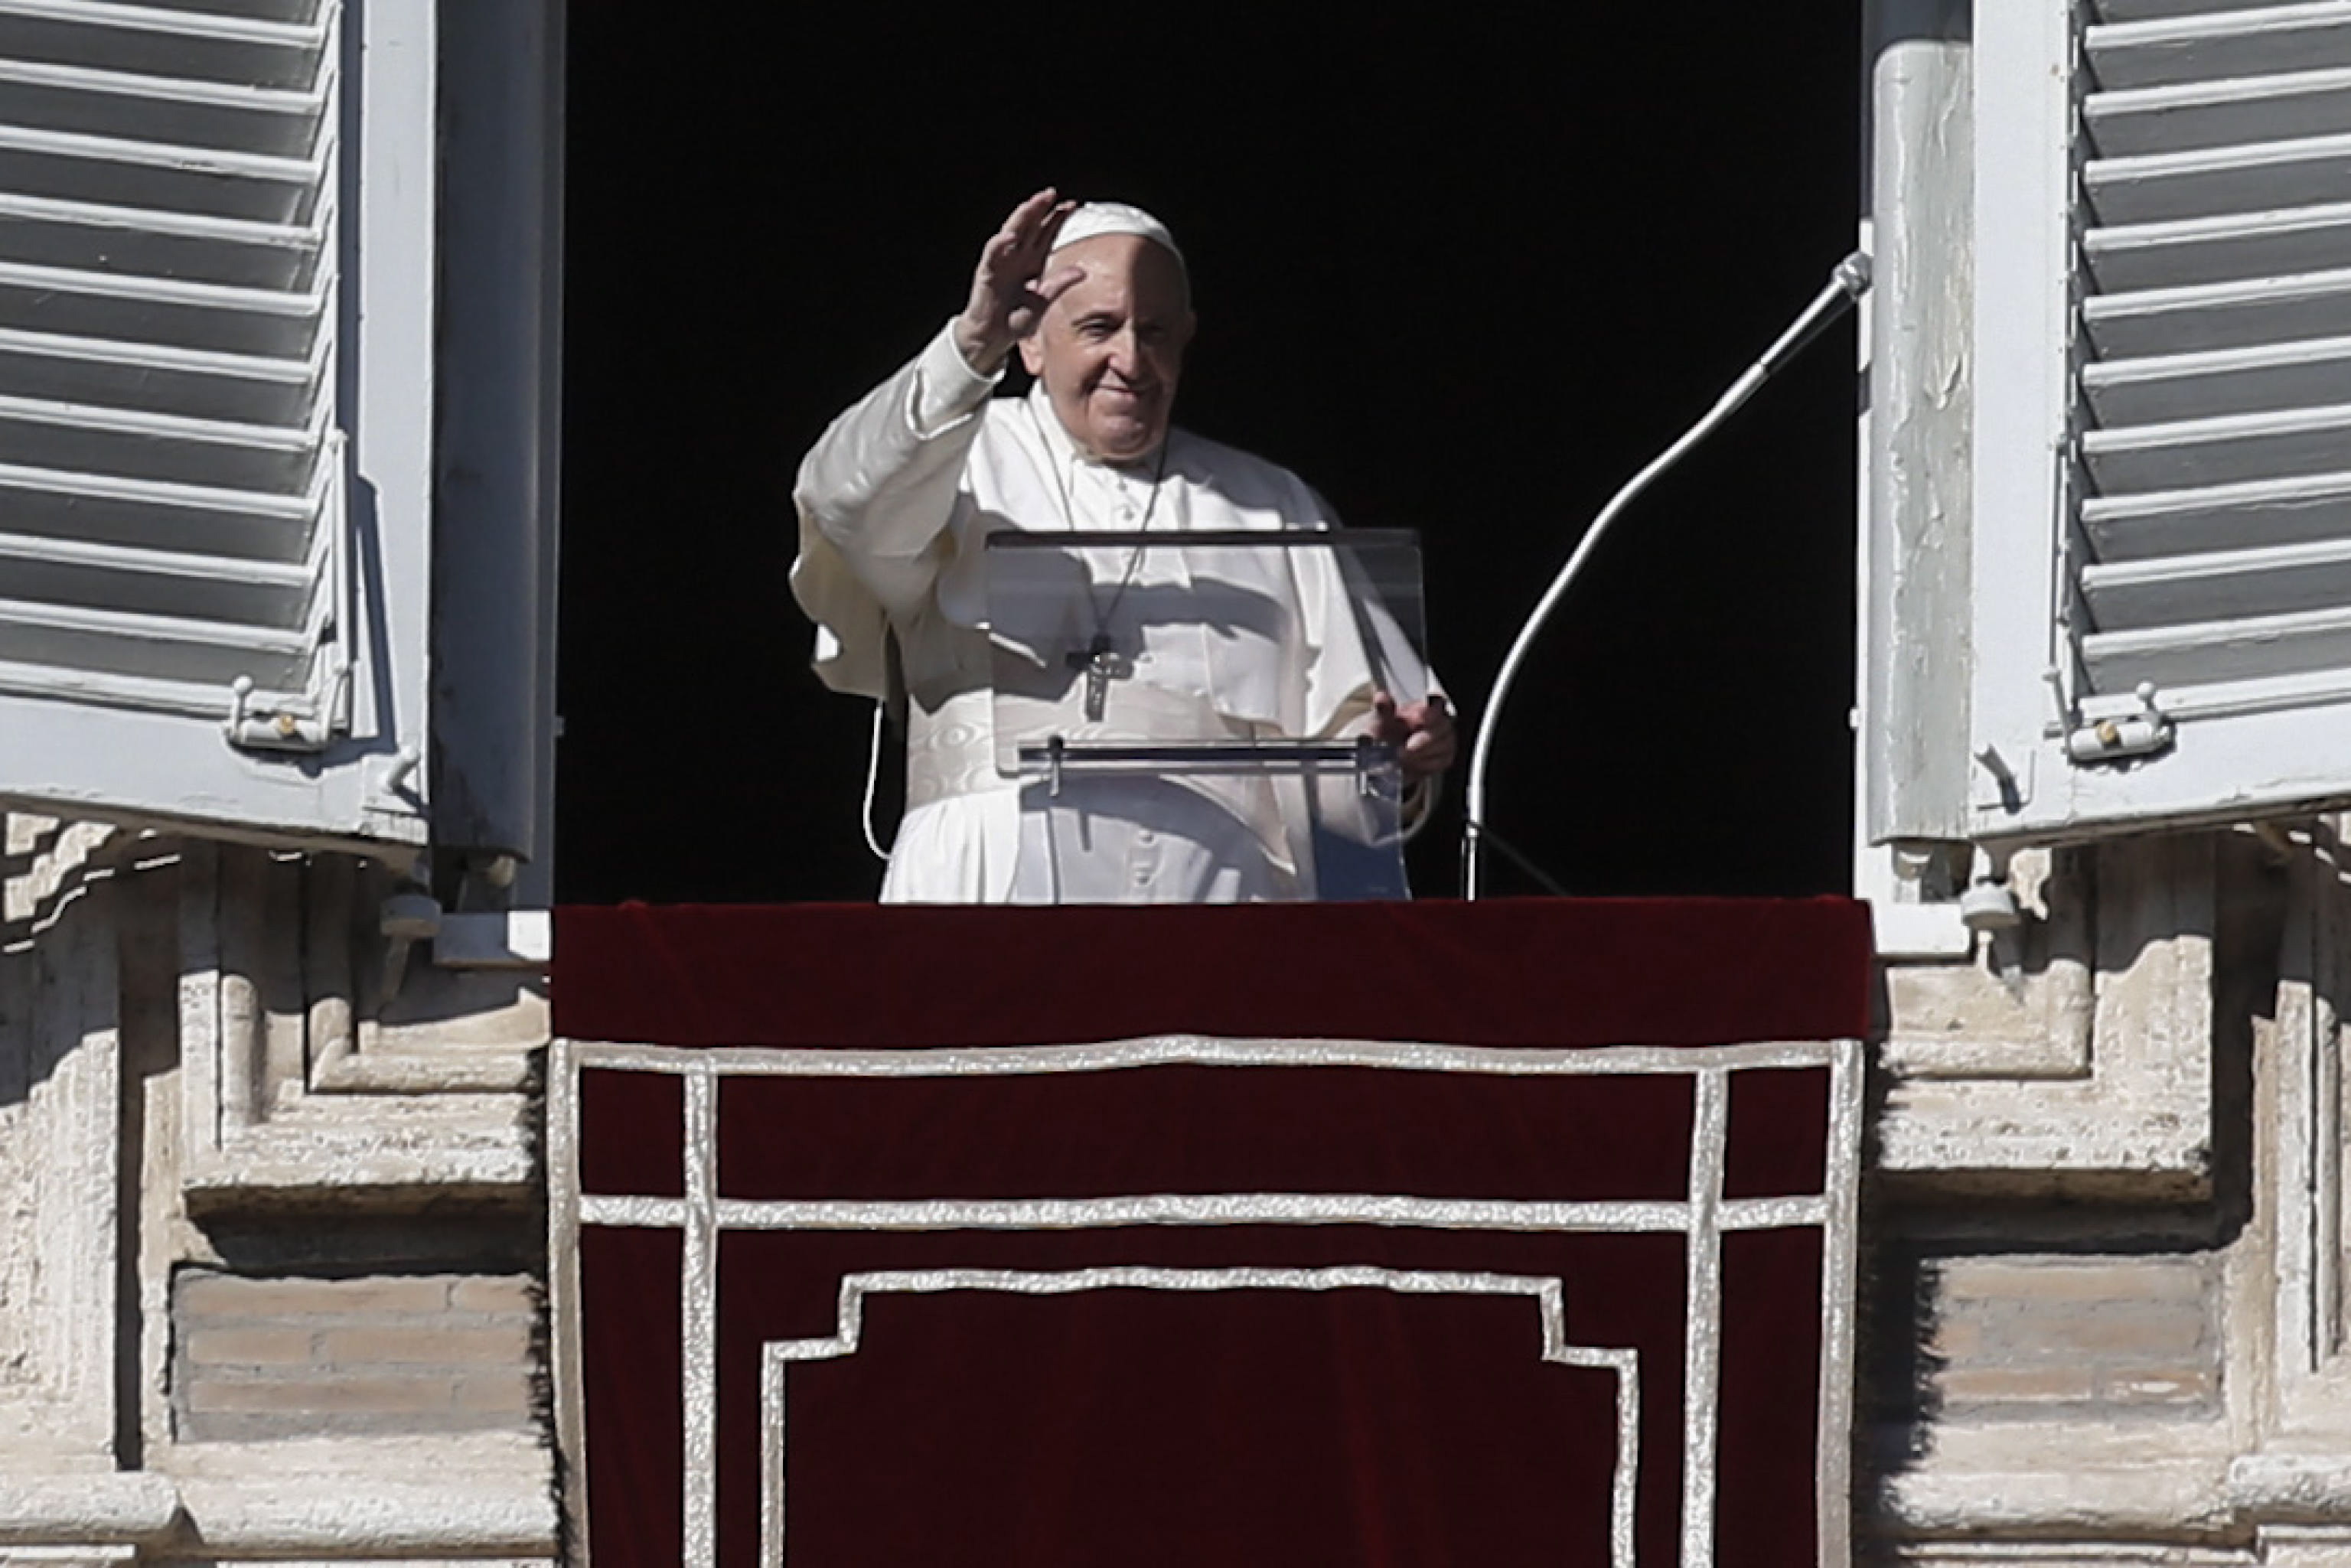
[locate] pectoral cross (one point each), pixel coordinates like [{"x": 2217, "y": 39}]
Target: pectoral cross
[{"x": 1101, "y": 662}]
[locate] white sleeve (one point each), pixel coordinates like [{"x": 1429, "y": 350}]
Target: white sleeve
[{"x": 874, "y": 496}]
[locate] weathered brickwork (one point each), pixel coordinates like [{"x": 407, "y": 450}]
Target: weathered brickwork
[
  {"x": 386, "y": 1354},
  {"x": 2027, "y": 1337}
]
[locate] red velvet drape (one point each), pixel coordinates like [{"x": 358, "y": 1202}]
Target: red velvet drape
[{"x": 1358, "y": 1426}]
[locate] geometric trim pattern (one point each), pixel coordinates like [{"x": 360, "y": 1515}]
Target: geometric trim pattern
[
  {"x": 1550, "y": 1297},
  {"x": 1701, "y": 1217}
]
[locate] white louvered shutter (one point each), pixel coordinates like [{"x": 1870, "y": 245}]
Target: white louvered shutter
[
  {"x": 191, "y": 626},
  {"x": 2163, "y": 549}
]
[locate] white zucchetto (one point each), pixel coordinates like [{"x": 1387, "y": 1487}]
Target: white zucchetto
[{"x": 1094, "y": 219}]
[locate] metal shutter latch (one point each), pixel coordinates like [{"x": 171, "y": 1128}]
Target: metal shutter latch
[{"x": 2140, "y": 734}]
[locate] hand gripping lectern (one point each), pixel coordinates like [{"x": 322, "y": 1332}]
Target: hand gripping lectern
[{"x": 1209, "y": 691}]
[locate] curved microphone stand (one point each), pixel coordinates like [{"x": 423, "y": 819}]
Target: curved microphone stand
[{"x": 1846, "y": 284}]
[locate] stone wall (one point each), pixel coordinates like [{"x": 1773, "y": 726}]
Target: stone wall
[
  {"x": 2030, "y": 1336},
  {"x": 378, "y": 1355},
  {"x": 270, "y": 1283},
  {"x": 2106, "y": 1318}
]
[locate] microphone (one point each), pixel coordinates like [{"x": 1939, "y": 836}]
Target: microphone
[{"x": 1848, "y": 281}]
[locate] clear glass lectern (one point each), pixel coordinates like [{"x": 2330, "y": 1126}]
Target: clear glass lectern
[{"x": 1187, "y": 714}]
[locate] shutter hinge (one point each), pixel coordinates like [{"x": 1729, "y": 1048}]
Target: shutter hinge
[{"x": 2141, "y": 734}]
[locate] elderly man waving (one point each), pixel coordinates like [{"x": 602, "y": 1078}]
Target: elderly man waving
[{"x": 896, "y": 500}]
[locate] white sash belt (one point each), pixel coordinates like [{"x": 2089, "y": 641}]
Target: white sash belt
[{"x": 952, "y": 751}]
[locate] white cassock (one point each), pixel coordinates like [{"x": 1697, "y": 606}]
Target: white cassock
[{"x": 895, "y": 501}]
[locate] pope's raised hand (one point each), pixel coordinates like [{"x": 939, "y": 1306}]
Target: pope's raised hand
[{"x": 1010, "y": 288}]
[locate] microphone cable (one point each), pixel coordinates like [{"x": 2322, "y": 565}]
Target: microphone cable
[
  {"x": 872, "y": 778},
  {"x": 1847, "y": 282}
]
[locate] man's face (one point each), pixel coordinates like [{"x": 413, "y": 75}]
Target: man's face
[{"x": 1110, "y": 349}]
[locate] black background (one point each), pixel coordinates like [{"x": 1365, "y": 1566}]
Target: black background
[{"x": 1465, "y": 272}]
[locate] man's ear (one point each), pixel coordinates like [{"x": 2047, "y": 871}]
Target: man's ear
[{"x": 1032, "y": 352}]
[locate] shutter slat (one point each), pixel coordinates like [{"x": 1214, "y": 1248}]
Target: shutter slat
[
  {"x": 132, "y": 443},
  {"x": 295, "y": 25},
  {"x": 2187, "y": 116},
  {"x": 161, "y": 695},
  {"x": 2217, "y": 516},
  {"x": 2262, "y": 177},
  {"x": 2234, "y": 314},
  {"x": 42, "y": 232},
  {"x": 2235, "y": 249},
  {"x": 125, "y": 642},
  {"x": 2301, "y": 689},
  {"x": 215, "y": 318},
  {"x": 164, "y": 177},
  {"x": 2151, "y": 10},
  {"x": 2181, "y": 387},
  {"x": 43, "y": 95},
  {"x": 2208, "y": 652},
  {"x": 2229, "y": 450},
  {"x": 253, "y": 10},
  {"x": 156, "y": 41},
  {"x": 2280, "y": 580},
  {"x": 237, "y": 525},
  {"x": 154, "y": 582},
  {"x": 233, "y": 387},
  {"x": 2214, "y": 46}
]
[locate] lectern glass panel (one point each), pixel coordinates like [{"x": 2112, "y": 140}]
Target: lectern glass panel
[{"x": 1159, "y": 695}]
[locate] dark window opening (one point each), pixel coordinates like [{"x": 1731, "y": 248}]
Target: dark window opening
[{"x": 1463, "y": 274}]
